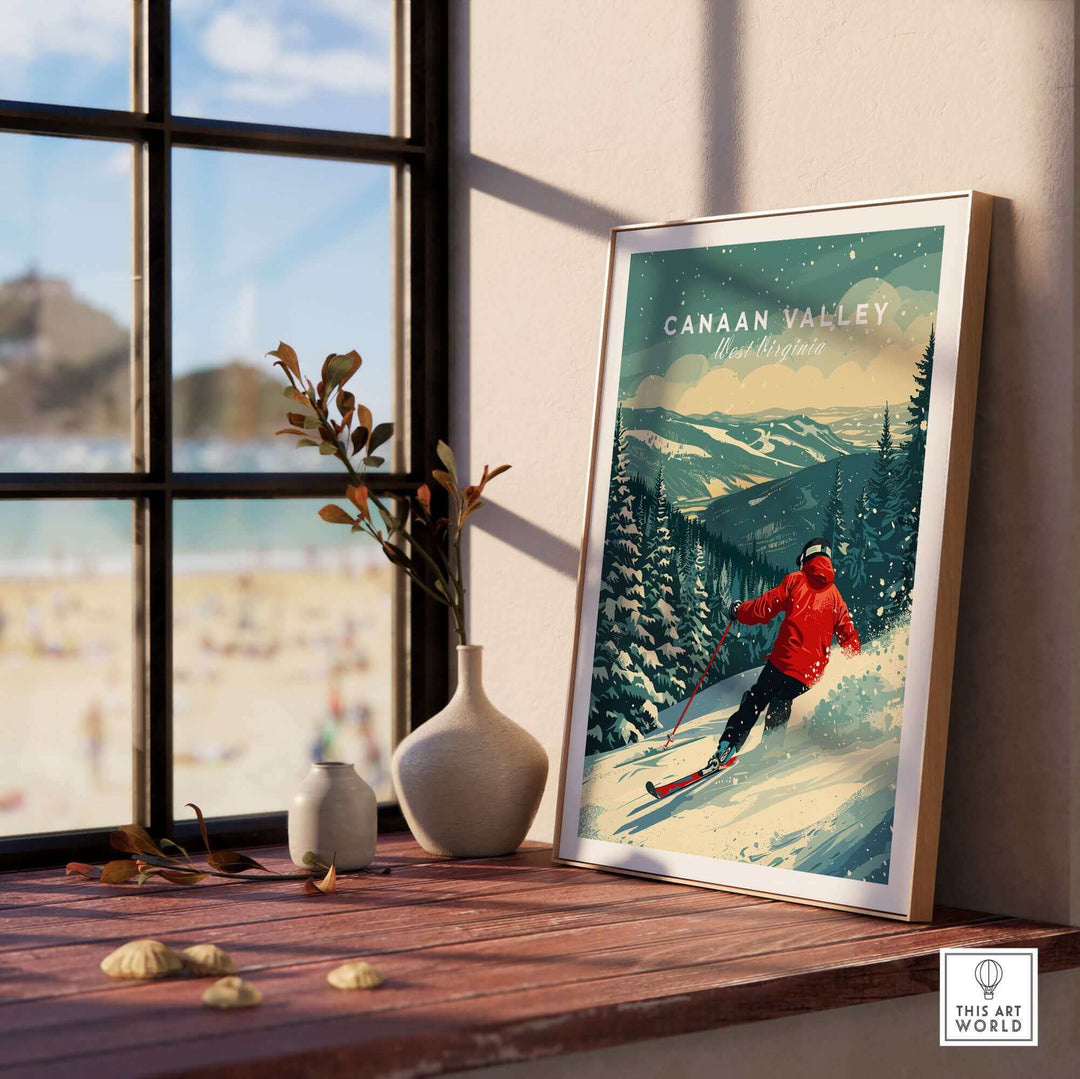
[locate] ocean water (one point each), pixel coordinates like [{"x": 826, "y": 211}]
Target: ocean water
[
  {"x": 87, "y": 454},
  {"x": 93, "y": 537}
]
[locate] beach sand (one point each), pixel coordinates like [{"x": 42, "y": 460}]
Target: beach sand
[{"x": 272, "y": 669}]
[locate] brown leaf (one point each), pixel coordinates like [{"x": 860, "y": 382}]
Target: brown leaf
[
  {"x": 359, "y": 436},
  {"x": 287, "y": 359},
  {"x": 134, "y": 839},
  {"x": 291, "y": 431},
  {"x": 335, "y": 515},
  {"x": 469, "y": 510},
  {"x": 202, "y": 825},
  {"x": 296, "y": 418},
  {"x": 325, "y": 886},
  {"x": 396, "y": 555},
  {"x": 423, "y": 496},
  {"x": 233, "y": 861},
  {"x": 181, "y": 876},
  {"x": 497, "y": 471},
  {"x": 363, "y": 417},
  {"x": 379, "y": 435},
  {"x": 80, "y": 869},
  {"x": 443, "y": 479},
  {"x": 358, "y": 496},
  {"x": 119, "y": 871}
]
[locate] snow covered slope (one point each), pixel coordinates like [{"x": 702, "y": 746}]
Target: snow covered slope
[
  {"x": 822, "y": 803},
  {"x": 710, "y": 456}
]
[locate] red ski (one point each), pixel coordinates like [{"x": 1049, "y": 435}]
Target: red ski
[{"x": 687, "y": 781}]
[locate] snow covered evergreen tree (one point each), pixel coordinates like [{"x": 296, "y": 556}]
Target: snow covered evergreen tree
[
  {"x": 856, "y": 584},
  {"x": 884, "y": 566},
  {"x": 832, "y": 524},
  {"x": 912, "y": 472},
  {"x": 660, "y": 618},
  {"x": 622, "y": 695},
  {"x": 695, "y": 630}
]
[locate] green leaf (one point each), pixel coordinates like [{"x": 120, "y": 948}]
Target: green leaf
[
  {"x": 310, "y": 858},
  {"x": 446, "y": 455},
  {"x": 335, "y": 515},
  {"x": 381, "y": 434},
  {"x": 305, "y": 442},
  {"x": 337, "y": 370},
  {"x": 373, "y": 462},
  {"x": 169, "y": 843},
  {"x": 327, "y": 448},
  {"x": 312, "y": 423}
]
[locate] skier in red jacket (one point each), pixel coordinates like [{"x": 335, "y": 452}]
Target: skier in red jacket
[{"x": 814, "y": 612}]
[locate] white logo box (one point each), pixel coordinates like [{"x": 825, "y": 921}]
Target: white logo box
[{"x": 989, "y": 996}]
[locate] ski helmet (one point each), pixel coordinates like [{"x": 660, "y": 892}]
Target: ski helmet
[{"x": 818, "y": 545}]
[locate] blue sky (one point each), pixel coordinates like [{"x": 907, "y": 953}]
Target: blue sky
[{"x": 263, "y": 248}]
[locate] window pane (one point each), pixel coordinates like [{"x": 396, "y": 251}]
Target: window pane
[
  {"x": 291, "y": 62},
  {"x": 65, "y": 665},
  {"x": 282, "y": 653},
  {"x": 65, "y": 305},
  {"x": 269, "y": 249},
  {"x": 66, "y": 52}
]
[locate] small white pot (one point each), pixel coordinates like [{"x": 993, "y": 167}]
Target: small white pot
[
  {"x": 469, "y": 780},
  {"x": 335, "y": 814}
]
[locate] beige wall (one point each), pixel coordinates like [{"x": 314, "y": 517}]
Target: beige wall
[{"x": 570, "y": 117}]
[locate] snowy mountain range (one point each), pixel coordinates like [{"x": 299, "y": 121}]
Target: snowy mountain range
[{"x": 708, "y": 457}]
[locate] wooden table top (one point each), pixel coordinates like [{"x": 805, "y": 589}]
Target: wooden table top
[{"x": 485, "y": 962}]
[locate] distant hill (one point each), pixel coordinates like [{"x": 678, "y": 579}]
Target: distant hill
[
  {"x": 64, "y": 370},
  {"x": 707, "y": 457},
  {"x": 780, "y": 516}
]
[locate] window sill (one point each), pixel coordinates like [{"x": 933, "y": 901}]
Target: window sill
[{"x": 485, "y": 962}]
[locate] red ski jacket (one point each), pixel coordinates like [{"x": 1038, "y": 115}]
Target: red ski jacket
[{"x": 813, "y": 610}]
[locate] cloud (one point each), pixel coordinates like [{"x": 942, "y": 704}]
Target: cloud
[
  {"x": 98, "y": 30},
  {"x": 858, "y": 368},
  {"x": 272, "y": 61}
]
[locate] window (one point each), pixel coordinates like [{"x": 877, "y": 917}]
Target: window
[{"x": 186, "y": 185}]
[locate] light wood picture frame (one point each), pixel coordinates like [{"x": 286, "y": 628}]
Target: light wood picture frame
[{"x": 770, "y": 565}]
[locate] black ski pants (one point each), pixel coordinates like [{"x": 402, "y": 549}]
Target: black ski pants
[{"x": 773, "y": 690}]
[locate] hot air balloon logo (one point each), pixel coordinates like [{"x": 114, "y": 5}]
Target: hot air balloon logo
[{"x": 988, "y": 974}]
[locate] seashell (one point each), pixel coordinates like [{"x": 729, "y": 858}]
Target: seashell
[
  {"x": 141, "y": 959},
  {"x": 357, "y": 975},
  {"x": 232, "y": 992},
  {"x": 207, "y": 959}
]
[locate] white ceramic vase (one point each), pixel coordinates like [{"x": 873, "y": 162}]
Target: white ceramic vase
[
  {"x": 333, "y": 813},
  {"x": 469, "y": 780}
]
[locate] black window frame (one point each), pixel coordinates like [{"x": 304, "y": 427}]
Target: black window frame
[{"x": 422, "y": 155}]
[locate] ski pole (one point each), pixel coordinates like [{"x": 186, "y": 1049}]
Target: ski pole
[{"x": 686, "y": 707}]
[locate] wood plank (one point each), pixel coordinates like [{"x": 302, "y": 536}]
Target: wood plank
[
  {"x": 372, "y": 1032},
  {"x": 431, "y": 974},
  {"x": 485, "y": 960}
]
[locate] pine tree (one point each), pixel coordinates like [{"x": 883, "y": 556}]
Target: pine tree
[
  {"x": 884, "y": 566},
  {"x": 621, "y": 706},
  {"x": 912, "y": 473},
  {"x": 857, "y": 574},
  {"x": 695, "y": 631},
  {"x": 832, "y": 525},
  {"x": 660, "y": 619}
]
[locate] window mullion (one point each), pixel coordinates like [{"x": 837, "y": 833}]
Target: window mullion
[{"x": 157, "y": 576}]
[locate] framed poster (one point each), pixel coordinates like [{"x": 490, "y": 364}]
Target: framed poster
[{"x": 770, "y": 568}]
